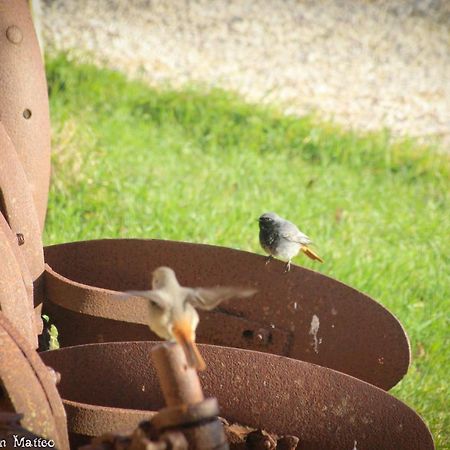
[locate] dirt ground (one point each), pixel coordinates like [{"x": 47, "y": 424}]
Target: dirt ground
[{"x": 366, "y": 64}]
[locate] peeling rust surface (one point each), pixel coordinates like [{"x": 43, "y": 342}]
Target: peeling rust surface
[
  {"x": 17, "y": 206},
  {"x": 16, "y": 287},
  {"x": 30, "y": 387},
  {"x": 324, "y": 408},
  {"x": 23, "y": 98},
  {"x": 301, "y": 314}
]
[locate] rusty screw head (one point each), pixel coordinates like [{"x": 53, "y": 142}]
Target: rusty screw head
[
  {"x": 14, "y": 34},
  {"x": 264, "y": 336},
  {"x": 20, "y": 238}
]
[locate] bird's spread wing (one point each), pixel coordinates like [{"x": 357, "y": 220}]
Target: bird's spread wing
[
  {"x": 292, "y": 233},
  {"x": 209, "y": 298},
  {"x": 156, "y": 297}
]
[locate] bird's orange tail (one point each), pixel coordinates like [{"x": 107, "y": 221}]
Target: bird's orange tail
[
  {"x": 310, "y": 254},
  {"x": 183, "y": 334}
]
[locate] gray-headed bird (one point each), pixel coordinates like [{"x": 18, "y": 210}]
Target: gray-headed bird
[
  {"x": 282, "y": 239},
  {"x": 173, "y": 314}
]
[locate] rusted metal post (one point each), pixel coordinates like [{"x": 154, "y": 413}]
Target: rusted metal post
[
  {"x": 187, "y": 409},
  {"x": 179, "y": 383},
  {"x": 24, "y": 100}
]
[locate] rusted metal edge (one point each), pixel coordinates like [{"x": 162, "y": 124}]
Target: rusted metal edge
[
  {"x": 18, "y": 206},
  {"x": 16, "y": 286},
  {"x": 24, "y": 270},
  {"x": 107, "y": 304},
  {"x": 97, "y": 302},
  {"x": 24, "y": 106},
  {"x": 43, "y": 376},
  {"x": 93, "y": 420}
]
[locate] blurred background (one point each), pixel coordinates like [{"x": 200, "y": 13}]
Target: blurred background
[
  {"x": 186, "y": 120},
  {"x": 367, "y": 64}
]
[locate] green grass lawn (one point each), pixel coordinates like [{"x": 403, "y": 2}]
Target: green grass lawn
[{"x": 132, "y": 161}]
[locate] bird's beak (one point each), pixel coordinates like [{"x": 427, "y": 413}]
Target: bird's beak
[{"x": 182, "y": 331}]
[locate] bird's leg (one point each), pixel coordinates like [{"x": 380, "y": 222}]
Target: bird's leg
[
  {"x": 268, "y": 259},
  {"x": 288, "y": 266}
]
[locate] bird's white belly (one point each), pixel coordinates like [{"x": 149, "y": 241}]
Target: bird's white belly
[
  {"x": 158, "y": 323},
  {"x": 286, "y": 250}
]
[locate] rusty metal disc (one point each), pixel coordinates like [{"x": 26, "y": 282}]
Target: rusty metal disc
[
  {"x": 18, "y": 208},
  {"x": 16, "y": 287},
  {"x": 30, "y": 388},
  {"x": 324, "y": 408},
  {"x": 23, "y": 98},
  {"x": 301, "y": 314}
]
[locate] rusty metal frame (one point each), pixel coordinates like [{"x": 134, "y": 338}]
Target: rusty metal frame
[{"x": 354, "y": 334}]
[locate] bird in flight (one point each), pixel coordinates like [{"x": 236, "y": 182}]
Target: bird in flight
[{"x": 173, "y": 315}]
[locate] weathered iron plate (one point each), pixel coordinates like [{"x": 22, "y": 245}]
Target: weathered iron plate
[
  {"x": 17, "y": 205},
  {"x": 23, "y": 97},
  {"x": 301, "y": 314},
  {"x": 16, "y": 287},
  {"x": 325, "y": 409},
  {"x": 30, "y": 387}
]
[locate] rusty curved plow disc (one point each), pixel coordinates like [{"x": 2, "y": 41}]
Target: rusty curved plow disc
[
  {"x": 16, "y": 287},
  {"x": 30, "y": 387},
  {"x": 301, "y": 314},
  {"x": 24, "y": 108},
  {"x": 18, "y": 208},
  {"x": 324, "y": 408}
]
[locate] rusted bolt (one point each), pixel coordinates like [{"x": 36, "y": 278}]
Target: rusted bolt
[
  {"x": 20, "y": 238},
  {"x": 56, "y": 376},
  {"x": 26, "y": 113},
  {"x": 14, "y": 34},
  {"x": 264, "y": 336}
]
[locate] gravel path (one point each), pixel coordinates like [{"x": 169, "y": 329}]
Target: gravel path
[{"x": 367, "y": 64}]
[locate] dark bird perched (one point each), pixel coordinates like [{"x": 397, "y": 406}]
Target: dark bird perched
[{"x": 282, "y": 239}]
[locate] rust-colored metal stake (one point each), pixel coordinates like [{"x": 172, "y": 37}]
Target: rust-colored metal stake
[{"x": 187, "y": 409}]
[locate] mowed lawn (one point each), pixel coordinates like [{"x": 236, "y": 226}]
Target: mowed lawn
[{"x": 199, "y": 166}]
